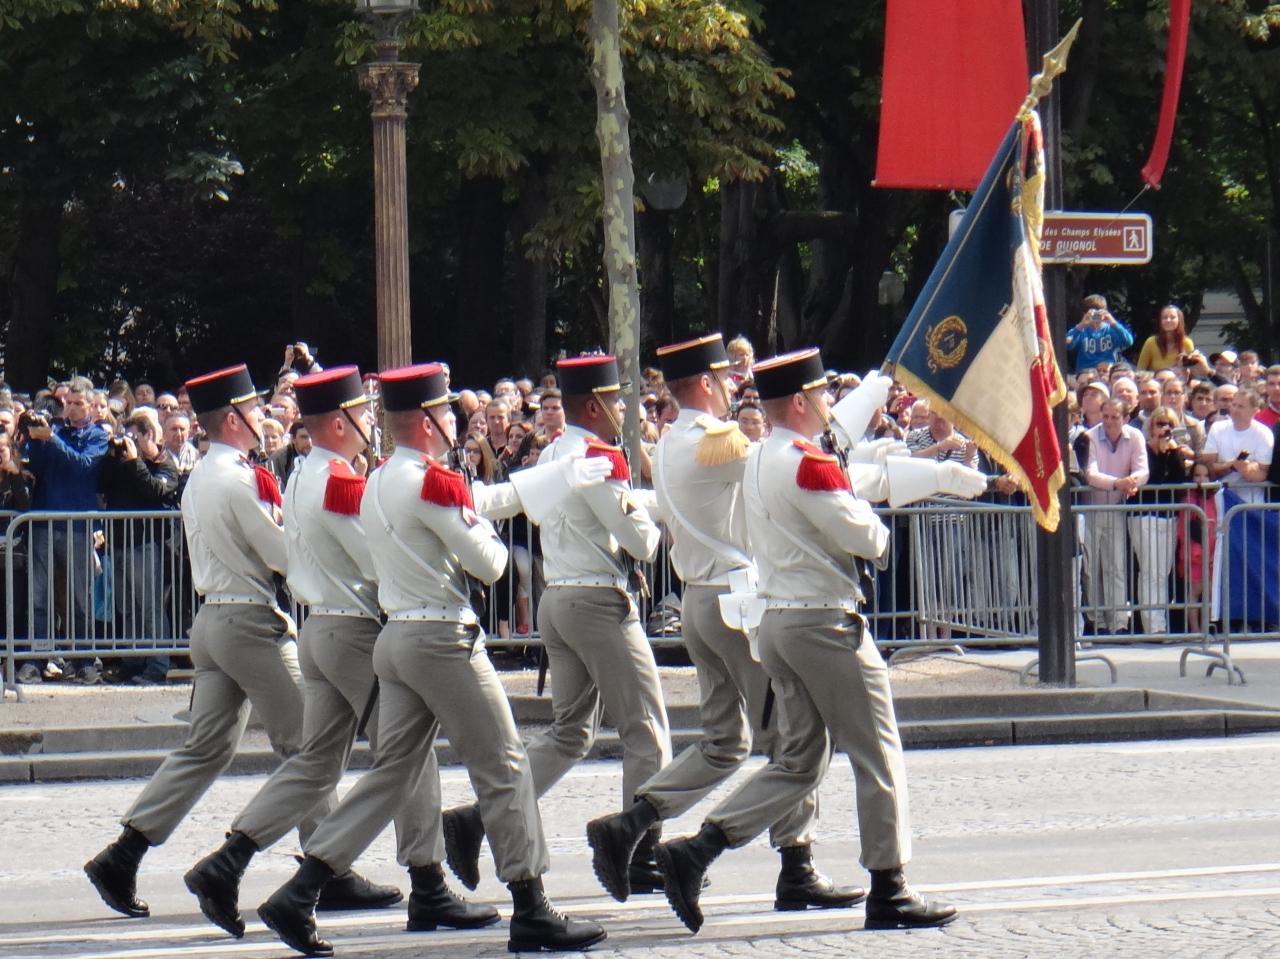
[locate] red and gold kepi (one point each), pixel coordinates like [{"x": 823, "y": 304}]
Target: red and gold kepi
[
  {"x": 584, "y": 375},
  {"x": 334, "y": 389},
  {"x": 780, "y": 376},
  {"x": 693, "y": 357},
  {"x": 220, "y": 388},
  {"x": 421, "y": 386}
]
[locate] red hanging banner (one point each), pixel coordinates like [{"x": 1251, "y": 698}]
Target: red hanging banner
[
  {"x": 1174, "y": 60},
  {"x": 955, "y": 73}
]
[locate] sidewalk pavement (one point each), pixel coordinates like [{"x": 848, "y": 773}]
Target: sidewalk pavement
[
  {"x": 64, "y": 704},
  {"x": 64, "y": 731}
]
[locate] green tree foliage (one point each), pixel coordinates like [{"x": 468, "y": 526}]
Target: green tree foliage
[
  {"x": 187, "y": 182},
  {"x": 1218, "y": 201},
  {"x": 94, "y": 98}
]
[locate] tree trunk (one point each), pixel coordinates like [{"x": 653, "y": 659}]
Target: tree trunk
[
  {"x": 739, "y": 282},
  {"x": 710, "y": 266},
  {"x": 831, "y": 255},
  {"x": 33, "y": 283},
  {"x": 531, "y": 268},
  {"x": 1078, "y": 82},
  {"x": 754, "y": 232},
  {"x": 657, "y": 307},
  {"x": 475, "y": 340},
  {"x": 614, "y": 137}
]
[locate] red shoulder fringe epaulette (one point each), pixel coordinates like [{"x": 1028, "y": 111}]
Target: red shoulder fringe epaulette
[
  {"x": 615, "y": 456},
  {"x": 344, "y": 489},
  {"x": 444, "y": 487},
  {"x": 268, "y": 488},
  {"x": 819, "y": 472}
]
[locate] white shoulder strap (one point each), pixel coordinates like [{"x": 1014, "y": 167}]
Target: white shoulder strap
[
  {"x": 291, "y": 496},
  {"x": 796, "y": 541},
  {"x": 725, "y": 550},
  {"x": 404, "y": 547}
]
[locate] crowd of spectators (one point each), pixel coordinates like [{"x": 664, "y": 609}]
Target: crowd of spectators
[
  {"x": 1153, "y": 433},
  {"x": 1166, "y": 430}
]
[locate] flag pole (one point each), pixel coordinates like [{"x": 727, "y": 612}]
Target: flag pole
[{"x": 1055, "y": 573}]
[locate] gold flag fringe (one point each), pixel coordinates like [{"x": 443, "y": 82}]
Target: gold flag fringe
[{"x": 1047, "y": 519}]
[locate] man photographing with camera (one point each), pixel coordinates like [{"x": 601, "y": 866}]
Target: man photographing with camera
[
  {"x": 137, "y": 474},
  {"x": 1099, "y": 337},
  {"x": 65, "y": 461}
]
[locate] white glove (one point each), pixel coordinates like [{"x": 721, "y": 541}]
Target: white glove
[
  {"x": 869, "y": 481},
  {"x": 580, "y": 472},
  {"x": 877, "y": 451},
  {"x": 541, "y": 488},
  {"x": 913, "y": 478},
  {"x": 959, "y": 480},
  {"x": 855, "y": 412}
]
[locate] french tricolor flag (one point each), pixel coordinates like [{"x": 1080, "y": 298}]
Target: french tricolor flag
[{"x": 977, "y": 340}]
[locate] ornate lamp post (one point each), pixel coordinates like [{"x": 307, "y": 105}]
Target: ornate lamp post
[{"x": 389, "y": 83}]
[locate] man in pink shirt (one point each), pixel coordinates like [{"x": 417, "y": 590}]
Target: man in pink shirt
[{"x": 1116, "y": 467}]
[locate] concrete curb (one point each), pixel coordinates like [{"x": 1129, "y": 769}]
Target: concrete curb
[{"x": 122, "y": 752}]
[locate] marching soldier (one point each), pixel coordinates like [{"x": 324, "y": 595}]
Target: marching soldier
[
  {"x": 242, "y": 644},
  {"x": 810, "y": 533},
  {"x": 598, "y": 652},
  {"x": 426, "y": 539},
  {"x": 698, "y": 475},
  {"x": 331, "y": 570}
]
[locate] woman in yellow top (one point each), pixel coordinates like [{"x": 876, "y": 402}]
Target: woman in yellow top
[{"x": 1169, "y": 346}]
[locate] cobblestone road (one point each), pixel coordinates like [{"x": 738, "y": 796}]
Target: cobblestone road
[{"x": 1124, "y": 850}]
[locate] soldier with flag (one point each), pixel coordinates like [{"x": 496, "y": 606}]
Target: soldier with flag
[
  {"x": 331, "y": 571},
  {"x": 810, "y": 532},
  {"x": 698, "y": 468}
]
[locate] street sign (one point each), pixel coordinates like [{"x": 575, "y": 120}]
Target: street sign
[{"x": 1111, "y": 239}]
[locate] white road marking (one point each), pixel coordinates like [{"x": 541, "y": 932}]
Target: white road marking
[{"x": 201, "y": 938}]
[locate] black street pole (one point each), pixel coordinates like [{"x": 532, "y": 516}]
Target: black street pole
[{"x": 1054, "y": 566}]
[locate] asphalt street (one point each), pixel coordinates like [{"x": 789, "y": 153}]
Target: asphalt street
[{"x": 1124, "y": 850}]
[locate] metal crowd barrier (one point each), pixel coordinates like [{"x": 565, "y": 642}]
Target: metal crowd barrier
[
  {"x": 84, "y": 585},
  {"x": 959, "y": 575},
  {"x": 1246, "y": 576}
]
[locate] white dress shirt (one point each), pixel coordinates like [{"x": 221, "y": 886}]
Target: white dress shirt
[
  {"x": 233, "y": 539},
  {"x": 835, "y": 525},
  {"x": 588, "y": 531}
]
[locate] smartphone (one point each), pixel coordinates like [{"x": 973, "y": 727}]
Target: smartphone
[{"x": 1242, "y": 456}]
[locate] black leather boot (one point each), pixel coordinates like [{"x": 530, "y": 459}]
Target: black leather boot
[
  {"x": 290, "y": 912},
  {"x": 894, "y": 905},
  {"x": 463, "y": 834},
  {"x": 643, "y": 874},
  {"x": 350, "y": 890},
  {"x": 215, "y": 882},
  {"x": 683, "y": 863},
  {"x": 114, "y": 873},
  {"x": 614, "y": 841},
  {"x": 432, "y": 903},
  {"x": 800, "y": 885},
  {"x": 536, "y": 925}
]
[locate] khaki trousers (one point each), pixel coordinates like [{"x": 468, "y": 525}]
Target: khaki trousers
[
  {"x": 599, "y": 658},
  {"x": 434, "y": 675},
  {"x": 244, "y": 655},
  {"x": 734, "y": 688},
  {"x": 832, "y": 691},
  {"x": 336, "y": 653}
]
